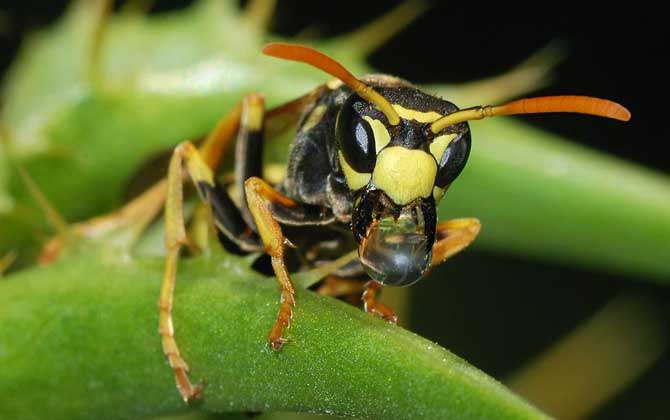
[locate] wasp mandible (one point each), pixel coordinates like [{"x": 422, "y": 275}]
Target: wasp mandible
[{"x": 369, "y": 163}]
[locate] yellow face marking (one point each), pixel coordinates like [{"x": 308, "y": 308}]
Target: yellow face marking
[
  {"x": 440, "y": 144},
  {"x": 355, "y": 180},
  {"x": 313, "y": 118},
  {"x": 410, "y": 114},
  {"x": 382, "y": 136},
  {"x": 438, "y": 193},
  {"x": 404, "y": 174}
]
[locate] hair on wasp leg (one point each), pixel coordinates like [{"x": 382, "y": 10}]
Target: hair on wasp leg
[{"x": 369, "y": 163}]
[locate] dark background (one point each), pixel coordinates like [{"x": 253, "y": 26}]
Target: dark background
[{"x": 514, "y": 306}]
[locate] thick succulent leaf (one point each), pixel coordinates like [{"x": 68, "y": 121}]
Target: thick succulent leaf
[{"x": 79, "y": 340}]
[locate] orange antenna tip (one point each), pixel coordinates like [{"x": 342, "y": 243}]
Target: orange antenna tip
[
  {"x": 546, "y": 104},
  {"x": 620, "y": 112}
]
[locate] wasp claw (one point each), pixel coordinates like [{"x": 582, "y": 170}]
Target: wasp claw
[
  {"x": 195, "y": 395},
  {"x": 391, "y": 318},
  {"x": 277, "y": 343}
]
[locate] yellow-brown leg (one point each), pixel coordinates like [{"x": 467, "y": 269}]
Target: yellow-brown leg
[
  {"x": 246, "y": 120},
  {"x": 175, "y": 238},
  {"x": 260, "y": 197},
  {"x": 335, "y": 286},
  {"x": 373, "y": 307},
  {"x": 139, "y": 212},
  {"x": 453, "y": 236}
]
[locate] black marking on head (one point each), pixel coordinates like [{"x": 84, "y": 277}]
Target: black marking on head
[{"x": 415, "y": 99}]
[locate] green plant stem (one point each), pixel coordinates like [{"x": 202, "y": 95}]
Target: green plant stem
[
  {"x": 543, "y": 197},
  {"x": 79, "y": 339}
]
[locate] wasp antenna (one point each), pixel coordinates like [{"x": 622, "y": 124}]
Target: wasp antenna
[
  {"x": 321, "y": 61},
  {"x": 545, "y": 104}
]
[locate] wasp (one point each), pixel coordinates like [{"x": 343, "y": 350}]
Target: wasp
[{"x": 370, "y": 161}]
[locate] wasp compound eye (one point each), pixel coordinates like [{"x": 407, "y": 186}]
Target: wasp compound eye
[
  {"x": 453, "y": 160},
  {"x": 396, "y": 252},
  {"x": 355, "y": 137}
]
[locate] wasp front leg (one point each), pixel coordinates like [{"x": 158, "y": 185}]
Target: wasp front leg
[
  {"x": 373, "y": 307},
  {"x": 268, "y": 207},
  {"x": 451, "y": 237}
]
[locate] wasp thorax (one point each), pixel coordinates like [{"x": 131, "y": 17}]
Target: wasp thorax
[{"x": 396, "y": 252}]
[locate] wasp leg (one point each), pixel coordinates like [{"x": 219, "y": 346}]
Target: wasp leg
[
  {"x": 373, "y": 307},
  {"x": 227, "y": 219},
  {"x": 335, "y": 286},
  {"x": 267, "y": 206},
  {"x": 248, "y": 121},
  {"x": 142, "y": 210},
  {"x": 249, "y": 149},
  {"x": 175, "y": 238},
  {"x": 139, "y": 212},
  {"x": 453, "y": 236}
]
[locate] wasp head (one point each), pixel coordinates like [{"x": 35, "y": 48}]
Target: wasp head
[{"x": 397, "y": 174}]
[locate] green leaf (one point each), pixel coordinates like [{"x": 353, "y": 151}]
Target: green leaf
[{"x": 79, "y": 340}]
